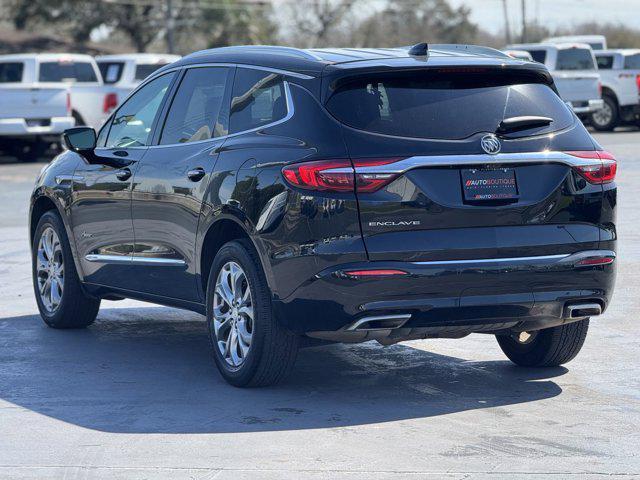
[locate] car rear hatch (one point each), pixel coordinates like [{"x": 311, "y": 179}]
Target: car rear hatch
[{"x": 467, "y": 163}]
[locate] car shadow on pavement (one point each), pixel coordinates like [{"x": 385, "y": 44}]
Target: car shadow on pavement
[{"x": 149, "y": 370}]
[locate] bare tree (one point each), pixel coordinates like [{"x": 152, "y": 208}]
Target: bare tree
[{"x": 319, "y": 23}]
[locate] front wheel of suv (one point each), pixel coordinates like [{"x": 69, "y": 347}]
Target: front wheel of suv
[
  {"x": 250, "y": 347},
  {"x": 545, "y": 348},
  {"x": 59, "y": 294}
]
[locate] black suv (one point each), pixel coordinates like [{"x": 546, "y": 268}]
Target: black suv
[{"x": 341, "y": 195}]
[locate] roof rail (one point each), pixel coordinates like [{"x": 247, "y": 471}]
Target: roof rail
[{"x": 298, "y": 52}]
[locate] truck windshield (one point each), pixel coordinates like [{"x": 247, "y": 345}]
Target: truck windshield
[
  {"x": 575, "y": 59},
  {"x": 68, "y": 72},
  {"x": 444, "y": 105},
  {"x": 11, "y": 72}
]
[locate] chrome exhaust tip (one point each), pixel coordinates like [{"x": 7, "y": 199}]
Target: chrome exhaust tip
[
  {"x": 383, "y": 322},
  {"x": 583, "y": 310}
]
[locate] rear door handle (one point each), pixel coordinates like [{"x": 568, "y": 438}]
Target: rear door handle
[
  {"x": 196, "y": 174},
  {"x": 123, "y": 174}
]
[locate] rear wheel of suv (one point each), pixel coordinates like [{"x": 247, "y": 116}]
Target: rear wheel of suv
[
  {"x": 545, "y": 348},
  {"x": 250, "y": 347},
  {"x": 607, "y": 118},
  {"x": 59, "y": 294}
]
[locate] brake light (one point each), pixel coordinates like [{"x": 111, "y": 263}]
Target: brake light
[
  {"x": 600, "y": 172},
  {"x": 68, "y": 103},
  {"x": 110, "y": 102},
  {"x": 339, "y": 175},
  {"x": 638, "y": 83}
]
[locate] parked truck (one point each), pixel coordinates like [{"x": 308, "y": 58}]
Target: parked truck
[
  {"x": 596, "y": 42},
  {"x": 620, "y": 76},
  {"x": 33, "y": 114},
  {"x": 574, "y": 71}
]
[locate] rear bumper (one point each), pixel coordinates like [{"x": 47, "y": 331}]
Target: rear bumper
[
  {"x": 472, "y": 295},
  {"x": 21, "y": 127},
  {"x": 588, "y": 106}
]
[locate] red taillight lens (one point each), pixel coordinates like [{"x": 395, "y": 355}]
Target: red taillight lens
[
  {"x": 638, "y": 83},
  {"x": 68, "y": 103},
  {"x": 600, "y": 172},
  {"x": 339, "y": 175},
  {"x": 589, "y": 262},
  {"x": 599, "y": 89},
  {"x": 110, "y": 102}
]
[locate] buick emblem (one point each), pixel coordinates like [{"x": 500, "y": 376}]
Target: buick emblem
[{"x": 490, "y": 144}]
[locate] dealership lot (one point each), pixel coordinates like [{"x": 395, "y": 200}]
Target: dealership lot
[{"x": 137, "y": 396}]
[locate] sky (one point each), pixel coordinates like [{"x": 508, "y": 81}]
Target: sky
[{"x": 553, "y": 13}]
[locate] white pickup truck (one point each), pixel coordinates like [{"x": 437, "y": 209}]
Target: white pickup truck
[
  {"x": 574, "y": 71},
  {"x": 123, "y": 73},
  {"x": 32, "y": 114},
  {"x": 596, "y": 42},
  {"x": 79, "y": 73},
  {"x": 620, "y": 73}
]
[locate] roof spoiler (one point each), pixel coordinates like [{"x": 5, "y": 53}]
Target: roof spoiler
[{"x": 423, "y": 49}]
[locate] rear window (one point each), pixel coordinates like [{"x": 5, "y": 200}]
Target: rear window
[
  {"x": 11, "y": 72},
  {"x": 444, "y": 106},
  {"x": 144, "y": 70},
  {"x": 632, "y": 62},
  {"x": 68, "y": 72},
  {"x": 575, "y": 59},
  {"x": 111, "y": 71},
  {"x": 605, "y": 62},
  {"x": 539, "y": 56}
]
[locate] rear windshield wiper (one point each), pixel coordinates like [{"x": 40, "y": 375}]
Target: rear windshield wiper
[{"x": 514, "y": 124}]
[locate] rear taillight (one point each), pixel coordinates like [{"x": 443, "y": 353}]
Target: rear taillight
[
  {"x": 600, "y": 172},
  {"x": 339, "y": 175},
  {"x": 68, "y": 103},
  {"x": 110, "y": 102},
  {"x": 638, "y": 83},
  {"x": 599, "y": 89}
]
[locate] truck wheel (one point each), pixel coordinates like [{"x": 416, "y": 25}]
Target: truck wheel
[
  {"x": 250, "y": 347},
  {"x": 59, "y": 294},
  {"x": 607, "y": 118},
  {"x": 545, "y": 348}
]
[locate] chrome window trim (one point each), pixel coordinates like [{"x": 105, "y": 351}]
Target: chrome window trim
[
  {"x": 134, "y": 260},
  {"x": 287, "y": 117},
  {"x": 410, "y": 163}
]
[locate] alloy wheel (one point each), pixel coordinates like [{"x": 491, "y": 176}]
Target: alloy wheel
[
  {"x": 233, "y": 314},
  {"x": 603, "y": 116},
  {"x": 50, "y": 269}
]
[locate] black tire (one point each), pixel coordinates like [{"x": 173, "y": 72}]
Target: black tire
[
  {"x": 273, "y": 349},
  {"x": 611, "y": 105},
  {"x": 27, "y": 152},
  {"x": 75, "y": 309},
  {"x": 547, "y": 348}
]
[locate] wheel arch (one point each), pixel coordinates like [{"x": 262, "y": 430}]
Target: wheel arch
[
  {"x": 609, "y": 92},
  {"x": 220, "y": 231}
]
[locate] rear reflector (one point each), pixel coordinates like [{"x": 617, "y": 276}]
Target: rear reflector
[
  {"x": 600, "y": 172},
  {"x": 110, "y": 102},
  {"x": 338, "y": 175},
  {"x": 374, "y": 273},
  {"x": 592, "y": 261}
]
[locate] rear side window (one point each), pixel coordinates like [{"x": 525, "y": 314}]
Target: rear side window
[
  {"x": 444, "y": 106},
  {"x": 69, "y": 72},
  {"x": 111, "y": 71},
  {"x": 144, "y": 70},
  {"x": 258, "y": 99},
  {"x": 11, "y": 72},
  {"x": 632, "y": 62},
  {"x": 575, "y": 59},
  {"x": 197, "y": 111},
  {"x": 539, "y": 56},
  {"x": 605, "y": 62}
]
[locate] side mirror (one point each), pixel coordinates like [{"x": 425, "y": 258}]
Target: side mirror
[{"x": 80, "y": 139}]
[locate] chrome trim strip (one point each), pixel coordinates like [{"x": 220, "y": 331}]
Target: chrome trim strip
[
  {"x": 68, "y": 178},
  {"x": 134, "y": 260},
  {"x": 357, "y": 323},
  {"x": 409, "y": 163},
  {"x": 495, "y": 260}
]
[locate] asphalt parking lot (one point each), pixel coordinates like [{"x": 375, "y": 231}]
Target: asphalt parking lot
[{"x": 137, "y": 396}]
